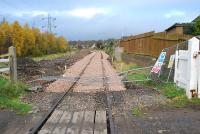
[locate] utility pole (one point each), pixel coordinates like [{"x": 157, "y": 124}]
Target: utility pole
[
  {"x": 50, "y": 24},
  {"x": 3, "y": 19}
]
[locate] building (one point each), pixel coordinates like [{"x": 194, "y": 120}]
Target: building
[{"x": 180, "y": 28}]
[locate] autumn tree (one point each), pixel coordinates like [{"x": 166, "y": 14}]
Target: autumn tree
[
  {"x": 5, "y": 36},
  {"x": 17, "y": 37},
  {"x": 62, "y": 44},
  {"x": 29, "y": 41}
]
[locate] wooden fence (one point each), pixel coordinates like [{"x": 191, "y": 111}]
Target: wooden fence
[
  {"x": 11, "y": 61},
  {"x": 151, "y": 43}
]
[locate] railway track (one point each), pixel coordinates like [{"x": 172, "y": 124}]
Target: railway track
[{"x": 110, "y": 127}]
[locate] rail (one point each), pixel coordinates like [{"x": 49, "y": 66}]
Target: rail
[{"x": 41, "y": 123}]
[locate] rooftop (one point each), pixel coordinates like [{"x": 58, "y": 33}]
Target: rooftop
[
  {"x": 196, "y": 19},
  {"x": 179, "y": 25}
]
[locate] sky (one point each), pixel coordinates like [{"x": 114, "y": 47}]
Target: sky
[{"x": 100, "y": 19}]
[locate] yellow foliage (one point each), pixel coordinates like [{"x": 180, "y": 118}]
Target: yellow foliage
[{"x": 29, "y": 41}]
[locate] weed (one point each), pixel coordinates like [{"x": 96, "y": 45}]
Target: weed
[
  {"x": 11, "y": 90},
  {"x": 49, "y": 57},
  {"x": 9, "y": 96},
  {"x": 176, "y": 95},
  {"x": 170, "y": 90},
  {"x": 122, "y": 66},
  {"x": 195, "y": 101},
  {"x": 179, "y": 101},
  {"x": 14, "y": 104},
  {"x": 136, "y": 111},
  {"x": 136, "y": 76}
]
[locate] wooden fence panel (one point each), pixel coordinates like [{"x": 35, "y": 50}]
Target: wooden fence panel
[{"x": 151, "y": 43}]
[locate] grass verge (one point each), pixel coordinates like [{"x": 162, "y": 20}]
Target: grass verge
[
  {"x": 50, "y": 56},
  {"x": 177, "y": 96},
  {"x": 10, "y": 94},
  {"x": 133, "y": 75},
  {"x": 14, "y": 104}
]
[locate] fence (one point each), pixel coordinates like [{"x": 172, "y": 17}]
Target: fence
[
  {"x": 151, "y": 43},
  {"x": 185, "y": 71},
  {"x": 187, "y": 66},
  {"x": 8, "y": 64}
]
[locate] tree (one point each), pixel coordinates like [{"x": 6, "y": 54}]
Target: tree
[
  {"x": 61, "y": 44},
  {"x": 99, "y": 44},
  {"x": 5, "y": 36},
  {"x": 196, "y": 28},
  {"x": 17, "y": 37},
  {"x": 29, "y": 41}
]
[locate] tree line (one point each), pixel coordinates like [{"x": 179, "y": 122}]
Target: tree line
[
  {"x": 196, "y": 27},
  {"x": 29, "y": 41}
]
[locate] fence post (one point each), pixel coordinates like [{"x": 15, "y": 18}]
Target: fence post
[
  {"x": 193, "y": 46},
  {"x": 13, "y": 64},
  {"x": 198, "y": 65}
]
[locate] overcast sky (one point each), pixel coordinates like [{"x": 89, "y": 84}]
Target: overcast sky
[{"x": 101, "y": 19}]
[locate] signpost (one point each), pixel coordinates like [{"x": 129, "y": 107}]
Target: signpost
[
  {"x": 157, "y": 67},
  {"x": 171, "y": 61}
]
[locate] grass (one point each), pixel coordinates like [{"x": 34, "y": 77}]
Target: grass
[
  {"x": 170, "y": 90},
  {"x": 10, "y": 94},
  {"x": 134, "y": 75},
  {"x": 136, "y": 111},
  {"x": 177, "y": 96},
  {"x": 121, "y": 66},
  {"x": 14, "y": 104},
  {"x": 49, "y": 57}
]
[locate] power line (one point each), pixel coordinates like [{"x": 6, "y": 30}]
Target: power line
[
  {"x": 2, "y": 19},
  {"x": 50, "y": 25}
]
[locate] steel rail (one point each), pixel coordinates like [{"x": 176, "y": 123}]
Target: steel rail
[
  {"x": 43, "y": 120},
  {"x": 109, "y": 103}
]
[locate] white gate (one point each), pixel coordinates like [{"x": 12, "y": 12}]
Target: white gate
[
  {"x": 187, "y": 68},
  {"x": 181, "y": 68}
]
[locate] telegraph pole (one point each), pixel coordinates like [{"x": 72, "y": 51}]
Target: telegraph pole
[{"x": 50, "y": 24}]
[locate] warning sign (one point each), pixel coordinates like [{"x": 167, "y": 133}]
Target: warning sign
[
  {"x": 159, "y": 63},
  {"x": 171, "y": 61}
]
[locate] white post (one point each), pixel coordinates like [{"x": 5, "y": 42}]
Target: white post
[
  {"x": 198, "y": 69},
  {"x": 176, "y": 66},
  {"x": 193, "y": 47}
]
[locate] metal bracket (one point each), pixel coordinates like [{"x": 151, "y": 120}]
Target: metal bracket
[{"x": 195, "y": 54}]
